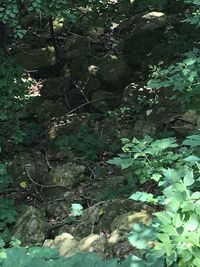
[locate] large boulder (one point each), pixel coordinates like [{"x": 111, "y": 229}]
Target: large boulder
[
  {"x": 76, "y": 42},
  {"x": 146, "y": 34},
  {"x": 36, "y": 58},
  {"x": 144, "y": 127},
  {"x": 69, "y": 124},
  {"x": 114, "y": 74},
  {"x": 62, "y": 179},
  {"x": 104, "y": 101},
  {"x": 50, "y": 109},
  {"x": 31, "y": 227},
  {"x": 55, "y": 87},
  {"x": 98, "y": 218},
  {"x": 67, "y": 245},
  {"x": 67, "y": 175},
  {"x": 34, "y": 163}
]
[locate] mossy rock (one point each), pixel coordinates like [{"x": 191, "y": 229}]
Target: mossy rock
[
  {"x": 67, "y": 175},
  {"x": 36, "y": 58},
  {"x": 54, "y": 88},
  {"x": 76, "y": 42},
  {"x": 103, "y": 101},
  {"x": 50, "y": 109},
  {"x": 31, "y": 227},
  {"x": 139, "y": 45},
  {"x": 69, "y": 124},
  {"x": 99, "y": 217},
  {"x": 114, "y": 73}
]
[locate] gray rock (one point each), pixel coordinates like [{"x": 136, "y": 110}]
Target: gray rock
[
  {"x": 143, "y": 128},
  {"x": 148, "y": 31},
  {"x": 31, "y": 227},
  {"x": 114, "y": 73},
  {"x": 93, "y": 243},
  {"x": 67, "y": 175},
  {"x": 76, "y": 42},
  {"x": 103, "y": 100},
  {"x": 33, "y": 162},
  {"x": 36, "y": 58},
  {"x": 66, "y": 244}
]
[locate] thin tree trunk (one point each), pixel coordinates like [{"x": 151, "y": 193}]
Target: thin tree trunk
[
  {"x": 53, "y": 40},
  {"x": 3, "y": 36}
]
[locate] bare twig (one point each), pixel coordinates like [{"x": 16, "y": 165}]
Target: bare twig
[
  {"x": 82, "y": 105},
  {"x": 41, "y": 185},
  {"x": 47, "y": 160}
]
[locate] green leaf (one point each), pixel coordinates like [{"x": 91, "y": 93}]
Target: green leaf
[
  {"x": 177, "y": 221},
  {"x": 189, "y": 178},
  {"x": 192, "y": 159},
  {"x": 188, "y": 206},
  {"x": 192, "y": 223},
  {"x": 189, "y": 61},
  {"x": 141, "y": 235},
  {"x": 76, "y": 209},
  {"x": 164, "y": 217},
  {"x": 192, "y": 141},
  {"x": 2, "y": 243},
  {"x": 195, "y": 195},
  {"x": 144, "y": 197},
  {"x": 43, "y": 252},
  {"x": 156, "y": 177},
  {"x": 165, "y": 239}
]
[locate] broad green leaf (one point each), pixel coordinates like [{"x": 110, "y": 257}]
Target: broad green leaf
[
  {"x": 188, "y": 206},
  {"x": 123, "y": 162},
  {"x": 164, "y": 217},
  {"x": 186, "y": 255},
  {"x": 144, "y": 197},
  {"x": 164, "y": 238},
  {"x": 76, "y": 209},
  {"x": 192, "y": 141},
  {"x": 156, "y": 177},
  {"x": 195, "y": 195},
  {"x": 192, "y": 223},
  {"x": 177, "y": 221},
  {"x": 189, "y": 61},
  {"x": 171, "y": 175},
  {"x": 192, "y": 159},
  {"x": 141, "y": 235},
  {"x": 189, "y": 178},
  {"x": 193, "y": 238}
]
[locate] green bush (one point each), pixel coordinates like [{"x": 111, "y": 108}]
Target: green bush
[
  {"x": 46, "y": 257},
  {"x": 7, "y": 217},
  {"x": 147, "y": 158},
  {"x": 86, "y": 144},
  {"x": 183, "y": 78},
  {"x": 14, "y": 94},
  {"x": 175, "y": 232}
]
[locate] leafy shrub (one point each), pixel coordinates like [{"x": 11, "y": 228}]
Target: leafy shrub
[
  {"x": 174, "y": 233},
  {"x": 5, "y": 178},
  {"x": 193, "y": 18},
  {"x": 14, "y": 94},
  {"x": 183, "y": 78},
  {"x": 147, "y": 158},
  {"x": 7, "y": 217},
  {"x": 146, "y": 4},
  {"x": 47, "y": 257},
  {"x": 86, "y": 143}
]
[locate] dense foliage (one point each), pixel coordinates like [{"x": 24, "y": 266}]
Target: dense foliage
[
  {"x": 174, "y": 233},
  {"x": 171, "y": 165}
]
